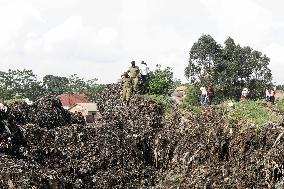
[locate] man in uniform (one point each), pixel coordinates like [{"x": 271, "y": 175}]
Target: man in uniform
[
  {"x": 126, "y": 88},
  {"x": 134, "y": 73}
]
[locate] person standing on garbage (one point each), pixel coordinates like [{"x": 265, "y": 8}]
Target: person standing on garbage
[
  {"x": 272, "y": 95},
  {"x": 267, "y": 94},
  {"x": 203, "y": 96},
  {"x": 134, "y": 73},
  {"x": 245, "y": 93},
  {"x": 210, "y": 94},
  {"x": 126, "y": 88},
  {"x": 144, "y": 70}
]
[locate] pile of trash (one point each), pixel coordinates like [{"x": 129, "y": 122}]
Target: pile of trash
[
  {"x": 52, "y": 153},
  {"x": 134, "y": 146},
  {"x": 208, "y": 153}
]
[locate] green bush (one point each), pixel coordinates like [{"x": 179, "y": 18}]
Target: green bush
[
  {"x": 191, "y": 96},
  {"x": 248, "y": 112},
  {"x": 160, "y": 81},
  {"x": 280, "y": 105},
  {"x": 162, "y": 100}
]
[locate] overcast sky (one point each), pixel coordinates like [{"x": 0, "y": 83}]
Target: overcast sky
[{"x": 99, "y": 39}]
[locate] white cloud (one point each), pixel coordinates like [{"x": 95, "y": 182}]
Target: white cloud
[
  {"x": 275, "y": 52},
  {"x": 244, "y": 20},
  {"x": 14, "y": 21}
]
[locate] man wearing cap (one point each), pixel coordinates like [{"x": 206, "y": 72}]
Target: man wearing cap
[
  {"x": 134, "y": 72},
  {"x": 126, "y": 88}
]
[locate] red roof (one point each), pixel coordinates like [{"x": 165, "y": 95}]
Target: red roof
[{"x": 72, "y": 99}]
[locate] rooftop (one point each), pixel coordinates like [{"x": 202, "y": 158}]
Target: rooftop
[
  {"x": 72, "y": 99},
  {"x": 91, "y": 107}
]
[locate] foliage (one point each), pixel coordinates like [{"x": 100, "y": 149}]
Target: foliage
[
  {"x": 163, "y": 101},
  {"x": 191, "y": 96},
  {"x": 280, "y": 87},
  {"x": 176, "y": 178},
  {"x": 248, "y": 112},
  {"x": 229, "y": 68},
  {"x": 20, "y": 83},
  {"x": 55, "y": 85},
  {"x": 280, "y": 104},
  {"x": 160, "y": 81},
  {"x": 24, "y": 84},
  {"x": 93, "y": 89},
  {"x": 204, "y": 55}
]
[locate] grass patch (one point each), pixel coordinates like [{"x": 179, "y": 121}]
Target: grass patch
[
  {"x": 162, "y": 100},
  {"x": 175, "y": 178},
  {"x": 247, "y": 113},
  {"x": 280, "y": 105},
  {"x": 196, "y": 109}
]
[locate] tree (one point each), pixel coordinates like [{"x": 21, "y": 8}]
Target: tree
[
  {"x": 20, "y": 83},
  {"x": 76, "y": 84},
  {"x": 204, "y": 55},
  {"x": 55, "y": 85},
  {"x": 160, "y": 81},
  {"x": 229, "y": 68}
]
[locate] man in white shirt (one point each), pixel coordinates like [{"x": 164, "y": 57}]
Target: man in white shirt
[
  {"x": 203, "y": 97},
  {"x": 144, "y": 70},
  {"x": 245, "y": 92},
  {"x": 267, "y": 94}
]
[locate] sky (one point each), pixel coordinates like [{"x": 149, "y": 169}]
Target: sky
[{"x": 99, "y": 39}]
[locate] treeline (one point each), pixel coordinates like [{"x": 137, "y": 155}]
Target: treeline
[
  {"x": 229, "y": 67},
  {"x": 25, "y": 84}
]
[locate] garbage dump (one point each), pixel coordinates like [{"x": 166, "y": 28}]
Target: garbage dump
[
  {"x": 134, "y": 146},
  {"x": 209, "y": 154}
]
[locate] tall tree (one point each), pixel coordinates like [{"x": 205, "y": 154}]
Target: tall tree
[
  {"x": 204, "y": 55},
  {"x": 229, "y": 68}
]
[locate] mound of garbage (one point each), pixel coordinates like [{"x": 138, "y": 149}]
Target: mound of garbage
[
  {"x": 134, "y": 146},
  {"x": 52, "y": 153}
]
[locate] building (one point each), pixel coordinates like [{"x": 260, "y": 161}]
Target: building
[
  {"x": 179, "y": 93},
  {"x": 88, "y": 110},
  {"x": 181, "y": 90},
  {"x": 70, "y": 100}
]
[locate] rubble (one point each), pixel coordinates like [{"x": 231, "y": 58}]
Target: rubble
[{"x": 134, "y": 146}]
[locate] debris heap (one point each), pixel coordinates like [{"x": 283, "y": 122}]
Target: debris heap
[
  {"x": 209, "y": 154},
  {"x": 134, "y": 146}
]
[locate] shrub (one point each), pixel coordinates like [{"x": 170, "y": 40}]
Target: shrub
[
  {"x": 163, "y": 101},
  {"x": 280, "y": 105},
  {"x": 191, "y": 96}
]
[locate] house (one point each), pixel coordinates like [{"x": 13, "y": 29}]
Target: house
[
  {"x": 88, "y": 110},
  {"x": 179, "y": 93},
  {"x": 70, "y": 100},
  {"x": 181, "y": 90}
]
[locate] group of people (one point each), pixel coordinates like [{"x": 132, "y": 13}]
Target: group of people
[
  {"x": 207, "y": 95},
  {"x": 270, "y": 94},
  {"x": 132, "y": 78}
]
